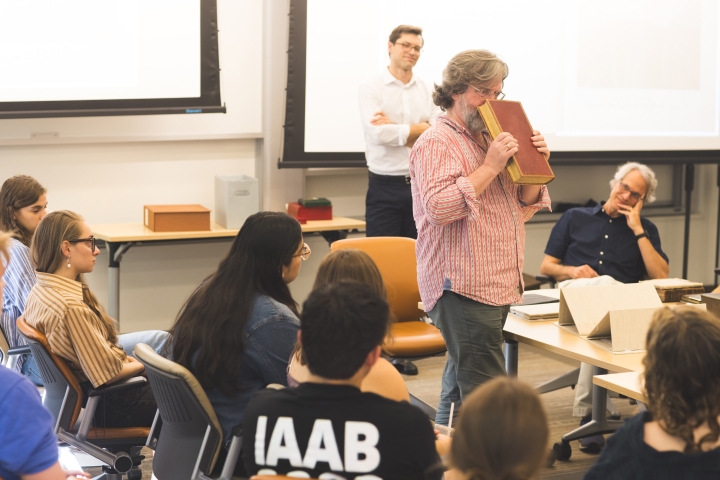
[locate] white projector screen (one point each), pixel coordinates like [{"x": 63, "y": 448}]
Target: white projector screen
[
  {"x": 618, "y": 75},
  {"x": 109, "y": 57}
]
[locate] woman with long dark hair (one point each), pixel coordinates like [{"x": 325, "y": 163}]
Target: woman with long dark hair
[
  {"x": 23, "y": 203},
  {"x": 237, "y": 330},
  {"x": 62, "y": 306}
]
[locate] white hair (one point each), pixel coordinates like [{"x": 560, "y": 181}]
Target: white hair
[{"x": 647, "y": 174}]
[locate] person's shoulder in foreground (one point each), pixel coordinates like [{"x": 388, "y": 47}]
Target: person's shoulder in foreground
[
  {"x": 627, "y": 456},
  {"x": 27, "y": 443},
  {"x": 327, "y": 425}
]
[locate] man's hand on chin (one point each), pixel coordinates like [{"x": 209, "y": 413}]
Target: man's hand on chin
[{"x": 633, "y": 216}]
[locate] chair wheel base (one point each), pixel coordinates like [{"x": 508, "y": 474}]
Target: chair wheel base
[
  {"x": 405, "y": 367},
  {"x": 562, "y": 450}
]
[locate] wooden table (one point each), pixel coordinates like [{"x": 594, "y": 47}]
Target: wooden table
[
  {"x": 120, "y": 237},
  {"x": 547, "y": 335},
  {"x": 628, "y": 384}
]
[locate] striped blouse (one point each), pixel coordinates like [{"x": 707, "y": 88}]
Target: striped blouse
[
  {"x": 473, "y": 246},
  {"x": 55, "y": 307},
  {"x": 19, "y": 280}
]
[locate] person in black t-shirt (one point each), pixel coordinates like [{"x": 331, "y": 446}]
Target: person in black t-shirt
[
  {"x": 679, "y": 435},
  {"x": 327, "y": 425}
]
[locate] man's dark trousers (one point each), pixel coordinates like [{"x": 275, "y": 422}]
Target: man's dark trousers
[{"x": 388, "y": 207}]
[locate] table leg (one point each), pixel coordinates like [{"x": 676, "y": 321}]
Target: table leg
[
  {"x": 598, "y": 425},
  {"x": 511, "y": 357},
  {"x": 115, "y": 253},
  {"x": 569, "y": 379},
  {"x": 334, "y": 235}
]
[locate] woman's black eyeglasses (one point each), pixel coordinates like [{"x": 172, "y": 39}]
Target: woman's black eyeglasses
[{"x": 89, "y": 239}]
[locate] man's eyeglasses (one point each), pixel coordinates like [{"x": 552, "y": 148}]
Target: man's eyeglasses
[
  {"x": 633, "y": 195},
  {"x": 488, "y": 93},
  {"x": 304, "y": 253},
  {"x": 407, "y": 47},
  {"x": 89, "y": 239}
]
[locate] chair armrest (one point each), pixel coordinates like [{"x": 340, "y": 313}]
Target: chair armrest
[
  {"x": 545, "y": 279},
  {"x": 122, "y": 385},
  {"x": 21, "y": 350}
]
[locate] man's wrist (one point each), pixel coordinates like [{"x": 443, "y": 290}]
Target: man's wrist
[{"x": 640, "y": 235}]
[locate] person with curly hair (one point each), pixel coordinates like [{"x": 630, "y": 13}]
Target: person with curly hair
[{"x": 679, "y": 435}]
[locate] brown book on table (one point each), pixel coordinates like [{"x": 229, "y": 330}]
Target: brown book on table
[{"x": 527, "y": 166}]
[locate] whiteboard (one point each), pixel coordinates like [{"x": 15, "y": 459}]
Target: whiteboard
[{"x": 240, "y": 43}]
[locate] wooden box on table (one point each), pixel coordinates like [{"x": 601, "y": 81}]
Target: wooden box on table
[{"x": 176, "y": 218}]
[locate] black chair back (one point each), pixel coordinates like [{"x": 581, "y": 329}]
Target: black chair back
[{"x": 189, "y": 440}]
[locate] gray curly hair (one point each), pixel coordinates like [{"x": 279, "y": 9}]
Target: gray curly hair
[
  {"x": 478, "y": 67},
  {"x": 647, "y": 174}
]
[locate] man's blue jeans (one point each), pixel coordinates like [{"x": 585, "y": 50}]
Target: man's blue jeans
[{"x": 473, "y": 335}]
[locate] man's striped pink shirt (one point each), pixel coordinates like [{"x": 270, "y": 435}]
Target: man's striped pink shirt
[{"x": 471, "y": 245}]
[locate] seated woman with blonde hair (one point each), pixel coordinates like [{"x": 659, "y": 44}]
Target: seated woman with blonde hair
[
  {"x": 77, "y": 328},
  {"x": 354, "y": 265},
  {"x": 502, "y": 433},
  {"x": 679, "y": 435}
]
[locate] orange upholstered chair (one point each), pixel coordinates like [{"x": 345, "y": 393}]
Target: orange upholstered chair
[{"x": 410, "y": 337}]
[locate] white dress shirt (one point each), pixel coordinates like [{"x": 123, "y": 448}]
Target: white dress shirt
[{"x": 404, "y": 105}]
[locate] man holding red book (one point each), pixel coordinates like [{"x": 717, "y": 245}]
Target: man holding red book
[{"x": 471, "y": 219}]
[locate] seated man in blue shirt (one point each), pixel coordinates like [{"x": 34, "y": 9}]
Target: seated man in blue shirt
[{"x": 608, "y": 239}]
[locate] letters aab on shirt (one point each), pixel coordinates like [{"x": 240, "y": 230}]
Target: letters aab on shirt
[{"x": 322, "y": 447}]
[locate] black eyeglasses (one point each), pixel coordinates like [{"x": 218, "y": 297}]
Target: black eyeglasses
[
  {"x": 407, "y": 47},
  {"x": 633, "y": 194},
  {"x": 89, "y": 239}
]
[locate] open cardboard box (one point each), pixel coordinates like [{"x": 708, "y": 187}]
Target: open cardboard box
[{"x": 614, "y": 317}]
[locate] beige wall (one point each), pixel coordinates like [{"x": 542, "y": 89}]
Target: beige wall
[{"x": 109, "y": 182}]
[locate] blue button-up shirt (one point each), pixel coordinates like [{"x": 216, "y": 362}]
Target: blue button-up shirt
[{"x": 588, "y": 236}]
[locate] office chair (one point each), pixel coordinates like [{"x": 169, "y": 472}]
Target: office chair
[
  {"x": 9, "y": 356},
  {"x": 410, "y": 337},
  {"x": 191, "y": 437},
  {"x": 64, "y": 398}
]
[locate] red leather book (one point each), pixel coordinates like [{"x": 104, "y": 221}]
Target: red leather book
[
  {"x": 527, "y": 166},
  {"x": 294, "y": 209}
]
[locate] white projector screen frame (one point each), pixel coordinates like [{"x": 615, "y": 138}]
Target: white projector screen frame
[
  {"x": 85, "y": 58},
  {"x": 604, "y": 82}
]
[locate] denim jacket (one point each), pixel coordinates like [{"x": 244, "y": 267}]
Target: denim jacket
[{"x": 270, "y": 335}]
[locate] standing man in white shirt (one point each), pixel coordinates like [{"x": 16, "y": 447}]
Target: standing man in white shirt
[{"x": 395, "y": 109}]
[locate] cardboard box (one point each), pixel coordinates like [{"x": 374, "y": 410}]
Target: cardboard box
[
  {"x": 614, "y": 317},
  {"x": 176, "y": 218}
]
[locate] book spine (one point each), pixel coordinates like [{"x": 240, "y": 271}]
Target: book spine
[{"x": 491, "y": 121}]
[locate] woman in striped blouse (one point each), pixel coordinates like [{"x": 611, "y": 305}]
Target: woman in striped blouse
[
  {"x": 23, "y": 203},
  {"x": 62, "y": 306}
]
